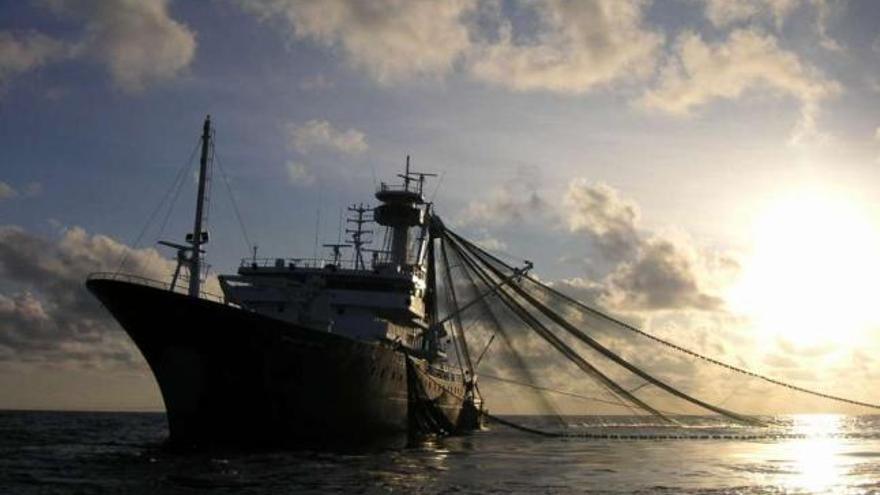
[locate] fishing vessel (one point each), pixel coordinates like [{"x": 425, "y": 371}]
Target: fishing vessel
[
  {"x": 355, "y": 346},
  {"x": 301, "y": 349}
]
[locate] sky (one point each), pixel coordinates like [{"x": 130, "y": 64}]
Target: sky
[{"x": 707, "y": 169}]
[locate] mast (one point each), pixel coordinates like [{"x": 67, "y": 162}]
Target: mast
[
  {"x": 357, "y": 233},
  {"x": 198, "y": 237}
]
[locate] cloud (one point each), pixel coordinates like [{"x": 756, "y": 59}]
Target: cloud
[
  {"x": 579, "y": 45},
  {"x": 649, "y": 271},
  {"x": 391, "y": 40},
  {"x": 824, "y": 13},
  {"x": 316, "y": 82},
  {"x": 505, "y": 205},
  {"x": 513, "y": 201},
  {"x": 491, "y": 244},
  {"x": 662, "y": 276},
  {"x": 7, "y": 191},
  {"x": 46, "y": 314},
  {"x": 23, "y": 52},
  {"x": 583, "y": 289},
  {"x": 31, "y": 190},
  {"x": 299, "y": 173},
  {"x": 320, "y": 134},
  {"x": 698, "y": 73},
  {"x": 609, "y": 220},
  {"x": 137, "y": 40},
  {"x": 723, "y": 13},
  {"x": 575, "y": 47}
]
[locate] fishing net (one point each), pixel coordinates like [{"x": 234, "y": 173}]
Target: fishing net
[{"x": 535, "y": 350}]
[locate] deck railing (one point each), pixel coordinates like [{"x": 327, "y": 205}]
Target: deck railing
[
  {"x": 156, "y": 284},
  {"x": 295, "y": 263}
]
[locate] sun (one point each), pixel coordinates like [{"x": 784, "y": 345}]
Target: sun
[{"x": 813, "y": 273}]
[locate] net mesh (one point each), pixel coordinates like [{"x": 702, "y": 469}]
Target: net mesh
[{"x": 536, "y": 350}]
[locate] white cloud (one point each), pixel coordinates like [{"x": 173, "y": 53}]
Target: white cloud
[
  {"x": 22, "y": 52},
  {"x": 698, "y": 73},
  {"x": 576, "y": 46},
  {"x": 299, "y": 173},
  {"x": 513, "y": 201},
  {"x": 391, "y": 40},
  {"x": 137, "y": 40},
  {"x": 579, "y": 45},
  {"x": 320, "y": 134}
]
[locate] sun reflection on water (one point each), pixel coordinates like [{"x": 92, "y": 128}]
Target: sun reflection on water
[{"x": 816, "y": 464}]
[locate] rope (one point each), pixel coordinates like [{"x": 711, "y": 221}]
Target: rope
[
  {"x": 232, "y": 200},
  {"x": 182, "y": 179},
  {"x": 175, "y": 185},
  {"x": 554, "y": 391},
  {"x": 669, "y": 344},
  {"x": 519, "y": 363},
  {"x": 556, "y": 342},
  {"x": 630, "y": 436}
]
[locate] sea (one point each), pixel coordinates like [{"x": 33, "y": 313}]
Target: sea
[{"x": 104, "y": 452}]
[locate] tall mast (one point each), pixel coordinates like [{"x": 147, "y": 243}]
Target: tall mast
[
  {"x": 357, "y": 234},
  {"x": 199, "y": 237}
]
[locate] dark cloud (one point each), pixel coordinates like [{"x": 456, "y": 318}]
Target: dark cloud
[
  {"x": 608, "y": 221},
  {"x": 582, "y": 289},
  {"x": 46, "y": 314},
  {"x": 660, "y": 277},
  {"x": 649, "y": 272}
]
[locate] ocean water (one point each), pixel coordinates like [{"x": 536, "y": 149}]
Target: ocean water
[{"x": 62, "y": 452}]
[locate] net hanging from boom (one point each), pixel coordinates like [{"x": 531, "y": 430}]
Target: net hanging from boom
[{"x": 552, "y": 351}]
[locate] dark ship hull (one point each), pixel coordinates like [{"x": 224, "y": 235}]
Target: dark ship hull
[{"x": 232, "y": 376}]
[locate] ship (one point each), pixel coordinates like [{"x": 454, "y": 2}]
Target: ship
[{"x": 303, "y": 350}]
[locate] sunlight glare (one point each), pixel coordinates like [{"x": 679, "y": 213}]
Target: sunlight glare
[{"x": 812, "y": 275}]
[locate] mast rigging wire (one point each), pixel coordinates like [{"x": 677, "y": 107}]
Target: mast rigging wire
[
  {"x": 557, "y": 343},
  {"x": 246, "y": 238},
  {"x": 175, "y": 185}
]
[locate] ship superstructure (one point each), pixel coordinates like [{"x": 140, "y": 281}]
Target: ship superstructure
[{"x": 373, "y": 295}]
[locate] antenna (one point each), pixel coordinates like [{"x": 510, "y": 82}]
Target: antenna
[
  {"x": 337, "y": 251},
  {"x": 409, "y": 176},
  {"x": 339, "y": 230},
  {"x": 357, "y": 233},
  {"x": 317, "y": 230}
]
